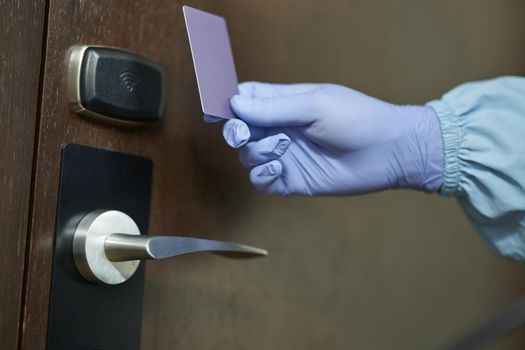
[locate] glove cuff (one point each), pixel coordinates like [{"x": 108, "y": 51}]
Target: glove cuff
[{"x": 423, "y": 161}]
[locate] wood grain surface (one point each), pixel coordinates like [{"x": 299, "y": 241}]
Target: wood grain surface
[
  {"x": 399, "y": 270},
  {"x": 21, "y": 36}
]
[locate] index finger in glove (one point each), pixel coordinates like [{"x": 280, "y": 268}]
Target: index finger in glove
[
  {"x": 264, "y": 151},
  {"x": 237, "y": 133}
]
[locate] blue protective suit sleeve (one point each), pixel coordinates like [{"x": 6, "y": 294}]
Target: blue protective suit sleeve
[{"x": 483, "y": 128}]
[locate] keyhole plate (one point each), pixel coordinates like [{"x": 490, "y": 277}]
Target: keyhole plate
[{"x": 83, "y": 315}]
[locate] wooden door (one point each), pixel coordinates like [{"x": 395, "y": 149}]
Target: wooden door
[
  {"x": 364, "y": 272},
  {"x": 21, "y": 38}
]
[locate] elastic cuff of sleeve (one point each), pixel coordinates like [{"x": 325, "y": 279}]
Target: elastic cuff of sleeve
[{"x": 452, "y": 135}]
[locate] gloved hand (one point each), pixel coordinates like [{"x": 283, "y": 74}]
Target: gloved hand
[{"x": 328, "y": 139}]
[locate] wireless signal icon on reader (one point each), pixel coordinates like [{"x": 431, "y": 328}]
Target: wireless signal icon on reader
[
  {"x": 130, "y": 80},
  {"x": 115, "y": 86}
]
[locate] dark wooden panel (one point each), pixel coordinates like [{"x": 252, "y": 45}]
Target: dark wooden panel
[
  {"x": 21, "y": 35},
  {"x": 337, "y": 277},
  {"x": 184, "y": 198}
]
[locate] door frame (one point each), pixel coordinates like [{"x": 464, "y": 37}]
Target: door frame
[{"x": 22, "y": 39}]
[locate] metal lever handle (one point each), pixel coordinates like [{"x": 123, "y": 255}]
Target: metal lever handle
[
  {"x": 104, "y": 256},
  {"x": 124, "y": 247}
]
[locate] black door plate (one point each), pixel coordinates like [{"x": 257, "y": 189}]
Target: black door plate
[{"x": 84, "y": 315}]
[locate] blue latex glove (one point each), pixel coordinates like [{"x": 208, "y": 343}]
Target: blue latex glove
[{"x": 328, "y": 139}]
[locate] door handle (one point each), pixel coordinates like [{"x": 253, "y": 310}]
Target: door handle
[
  {"x": 124, "y": 247},
  {"x": 108, "y": 247}
]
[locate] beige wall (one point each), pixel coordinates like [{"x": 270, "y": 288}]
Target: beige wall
[{"x": 397, "y": 270}]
